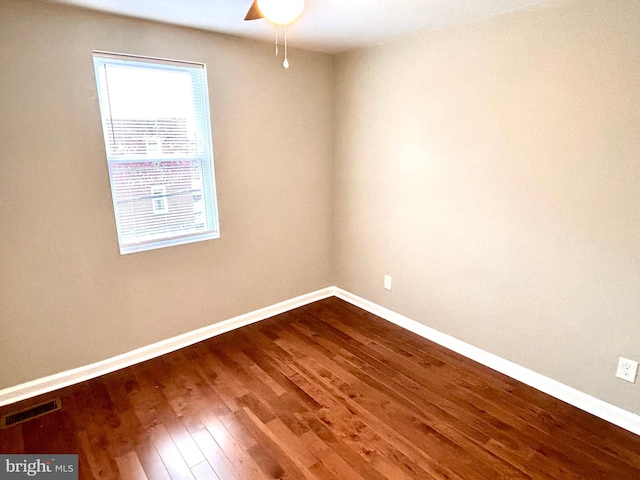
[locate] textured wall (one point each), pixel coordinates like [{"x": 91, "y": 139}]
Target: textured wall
[
  {"x": 493, "y": 170},
  {"x": 67, "y": 298}
]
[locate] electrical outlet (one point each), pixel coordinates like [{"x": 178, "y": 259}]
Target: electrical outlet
[
  {"x": 387, "y": 282},
  {"x": 627, "y": 370}
]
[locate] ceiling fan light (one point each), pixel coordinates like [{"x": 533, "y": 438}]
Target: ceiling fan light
[{"x": 281, "y": 12}]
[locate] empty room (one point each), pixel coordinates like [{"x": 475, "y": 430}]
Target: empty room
[{"x": 320, "y": 239}]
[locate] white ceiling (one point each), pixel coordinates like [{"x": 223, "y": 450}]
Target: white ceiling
[{"x": 326, "y": 25}]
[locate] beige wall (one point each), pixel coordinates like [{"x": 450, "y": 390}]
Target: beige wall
[
  {"x": 494, "y": 171},
  {"x": 67, "y": 297}
]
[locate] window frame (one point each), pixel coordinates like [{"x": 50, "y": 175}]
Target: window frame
[{"x": 209, "y": 227}]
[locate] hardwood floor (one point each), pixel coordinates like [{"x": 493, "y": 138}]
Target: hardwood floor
[{"x": 326, "y": 391}]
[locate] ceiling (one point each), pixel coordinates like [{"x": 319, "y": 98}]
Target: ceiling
[{"x": 327, "y": 26}]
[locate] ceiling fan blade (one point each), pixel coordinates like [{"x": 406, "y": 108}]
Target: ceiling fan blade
[{"x": 254, "y": 12}]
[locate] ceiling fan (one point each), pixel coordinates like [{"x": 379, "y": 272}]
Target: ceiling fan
[{"x": 280, "y": 12}]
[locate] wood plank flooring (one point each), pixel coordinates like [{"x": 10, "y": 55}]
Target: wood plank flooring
[{"x": 326, "y": 391}]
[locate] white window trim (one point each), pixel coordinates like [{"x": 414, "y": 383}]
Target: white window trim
[{"x": 205, "y": 145}]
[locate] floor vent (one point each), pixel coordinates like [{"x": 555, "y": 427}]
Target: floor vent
[{"x": 30, "y": 413}]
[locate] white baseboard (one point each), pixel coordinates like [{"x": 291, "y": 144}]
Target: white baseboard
[
  {"x": 581, "y": 400},
  {"x": 77, "y": 375},
  {"x": 606, "y": 411}
]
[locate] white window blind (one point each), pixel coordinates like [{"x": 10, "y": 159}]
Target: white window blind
[{"x": 157, "y": 133}]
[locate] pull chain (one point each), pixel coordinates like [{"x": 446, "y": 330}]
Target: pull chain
[
  {"x": 276, "y": 40},
  {"x": 285, "y": 64}
]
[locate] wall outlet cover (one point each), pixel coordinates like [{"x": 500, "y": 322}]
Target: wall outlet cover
[
  {"x": 627, "y": 369},
  {"x": 387, "y": 282}
]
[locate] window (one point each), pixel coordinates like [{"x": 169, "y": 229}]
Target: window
[
  {"x": 159, "y": 199},
  {"x": 157, "y": 134}
]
